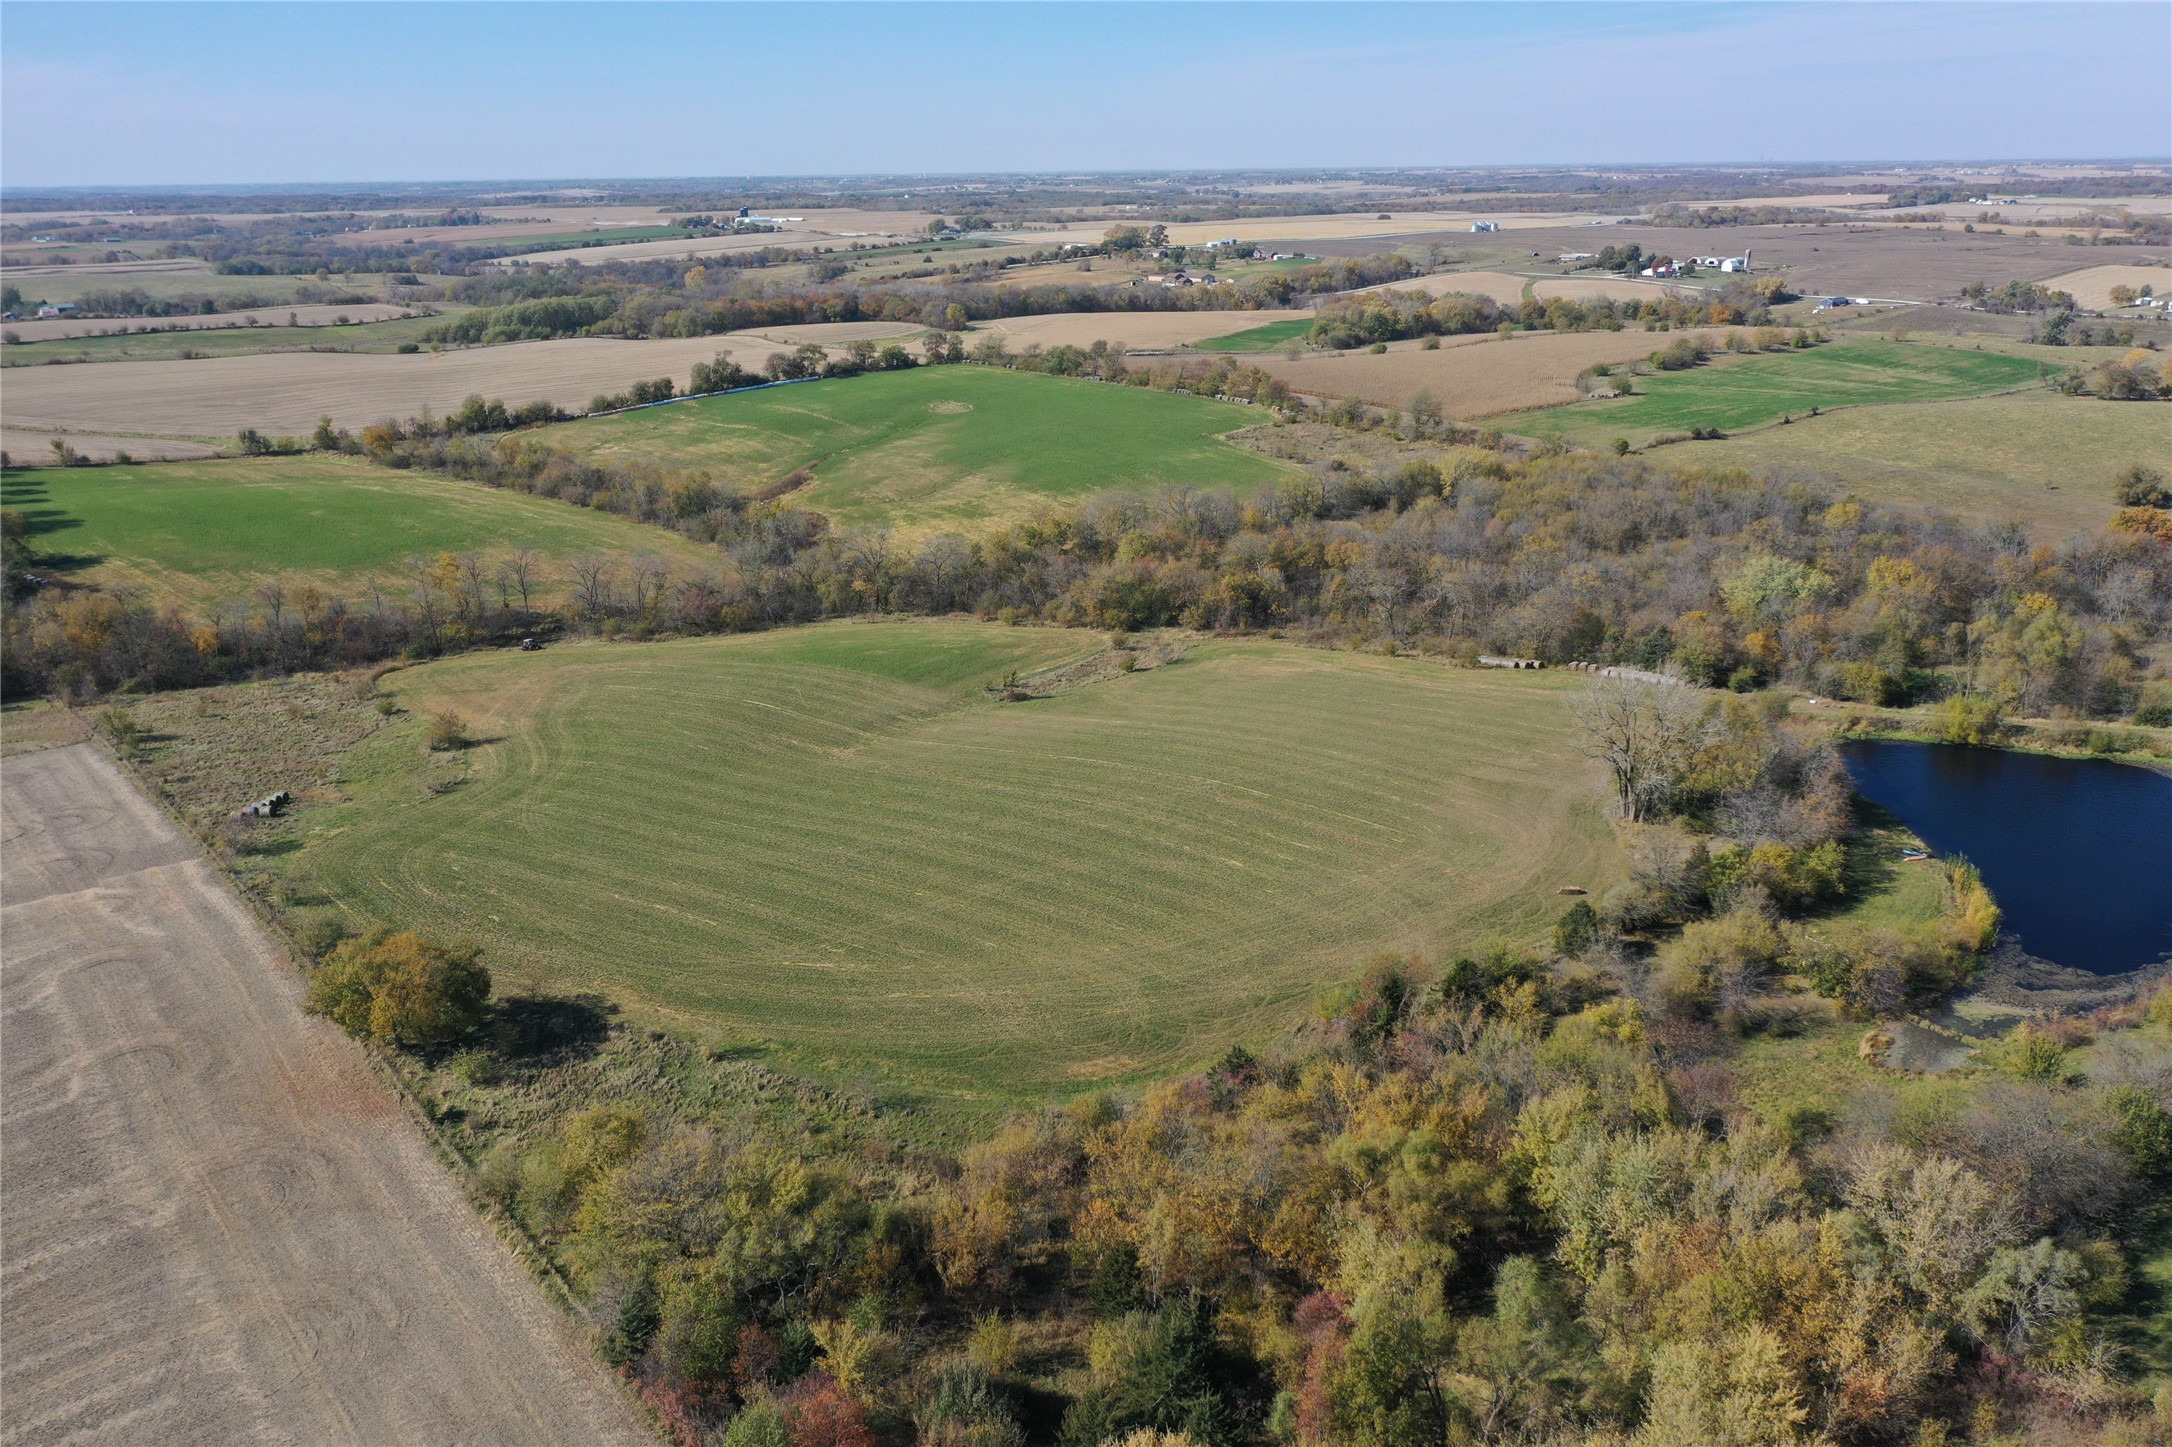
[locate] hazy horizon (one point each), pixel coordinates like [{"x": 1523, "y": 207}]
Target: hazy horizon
[{"x": 103, "y": 96}]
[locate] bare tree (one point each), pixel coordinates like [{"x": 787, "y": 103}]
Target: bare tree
[
  {"x": 647, "y": 574},
  {"x": 1642, "y": 731},
  {"x": 592, "y": 584},
  {"x": 519, "y": 571},
  {"x": 474, "y": 603}
]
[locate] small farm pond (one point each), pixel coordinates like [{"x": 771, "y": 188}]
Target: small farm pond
[{"x": 2078, "y": 852}]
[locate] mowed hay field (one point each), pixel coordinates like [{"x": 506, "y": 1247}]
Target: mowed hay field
[
  {"x": 940, "y": 448},
  {"x": 831, "y": 844},
  {"x": 1133, "y": 329},
  {"x": 1470, "y": 376},
  {"x": 197, "y": 533},
  {"x": 1260, "y": 338},
  {"x": 1750, "y": 391},
  {"x": 2033, "y": 455}
]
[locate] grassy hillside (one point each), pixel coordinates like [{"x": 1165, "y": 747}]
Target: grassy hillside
[
  {"x": 203, "y": 532},
  {"x": 941, "y": 448},
  {"x": 1734, "y": 394},
  {"x": 831, "y": 844},
  {"x": 2033, "y": 455}
]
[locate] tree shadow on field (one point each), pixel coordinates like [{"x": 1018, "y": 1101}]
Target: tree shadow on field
[{"x": 550, "y": 1029}]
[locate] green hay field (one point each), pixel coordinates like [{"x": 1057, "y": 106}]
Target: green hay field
[
  {"x": 196, "y": 533},
  {"x": 941, "y": 448},
  {"x": 1734, "y": 394},
  {"x": 1257, "y": 339},
  {"x": 2034, "y": 455},
  {"x": 831, "y": 846}
]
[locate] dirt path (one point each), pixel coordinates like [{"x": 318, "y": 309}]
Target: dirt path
[{"x": 216, "y": 1224}]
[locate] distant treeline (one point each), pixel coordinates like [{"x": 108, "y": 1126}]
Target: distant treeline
[
  {"x": 1396, "y": 315},
  {"x": 608, "y": 310},
  {"x": 1678, "y": 215},
  {"x": 135, "y": 302}
]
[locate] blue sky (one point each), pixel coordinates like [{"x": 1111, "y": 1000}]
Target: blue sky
[{"x": 99, "y": 94}]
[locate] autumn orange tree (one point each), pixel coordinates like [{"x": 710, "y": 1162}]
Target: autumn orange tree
[{"x": 402, "y": 989}]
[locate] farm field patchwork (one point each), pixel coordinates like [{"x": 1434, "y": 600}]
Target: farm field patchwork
[
  {"x": 316, "y": 314},
  {"x": 383, "y": 335},
  {"x": 2034, "y": 455},
  {"x": 830, "y": 845},
  {"x": 208, "y": 532},
  {"x": 2092, "y": 285},
  {"x": 166, "y": 279},
  {"x": 287, "y": 393},
  {"x": 940, "y": 448},
  {"x": 1752, "y": 391}
]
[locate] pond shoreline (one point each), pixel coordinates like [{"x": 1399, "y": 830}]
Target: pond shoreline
[
  {"x": 2071, "y": 849},
  {"x": 2024, "y": 737}
]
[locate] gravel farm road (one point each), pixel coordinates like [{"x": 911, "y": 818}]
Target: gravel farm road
[{"x": 217, "y": 1224}]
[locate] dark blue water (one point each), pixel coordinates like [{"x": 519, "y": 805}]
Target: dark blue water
[{"x": 2078, "y": 852}]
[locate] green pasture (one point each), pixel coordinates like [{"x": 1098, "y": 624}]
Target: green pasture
[
  {"x": 940, "y": 448},
  {"x": 197, "y": 533},
  {"x": 597, "y": 236},
  {"x": 1257, "y": 339},
  {"x": 1733, "y": 394},
  {"x": 2033, "y": 455},
  {"x": 833, "y": 847}
]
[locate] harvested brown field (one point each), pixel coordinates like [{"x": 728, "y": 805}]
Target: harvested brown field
[
  {"x": 1881, "y": 261},
  {"x": 30, "y": 267},
  {"x": 73, "y": 283},
  {"x": 1343, "y": 227},
  {"x": 287, "y": 392},
  {"x": 828, "y": 334},
  {"x": 38, "y": 725},
  {"x": 220, "y": 1224},
  {"x": 1606, "y": 288},
  {"x": 836, "y": 227},
  {"x": 55, "y": 329},
  {"x": 1483, "y": 377},
  {"x": 1507, "y": 288},
  {"x": 2092, "y": 286},
  {"x": 1499, "y": 285},
  {"x": 1131, "y": 329},
  {"x": 36, "y": 448}
]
